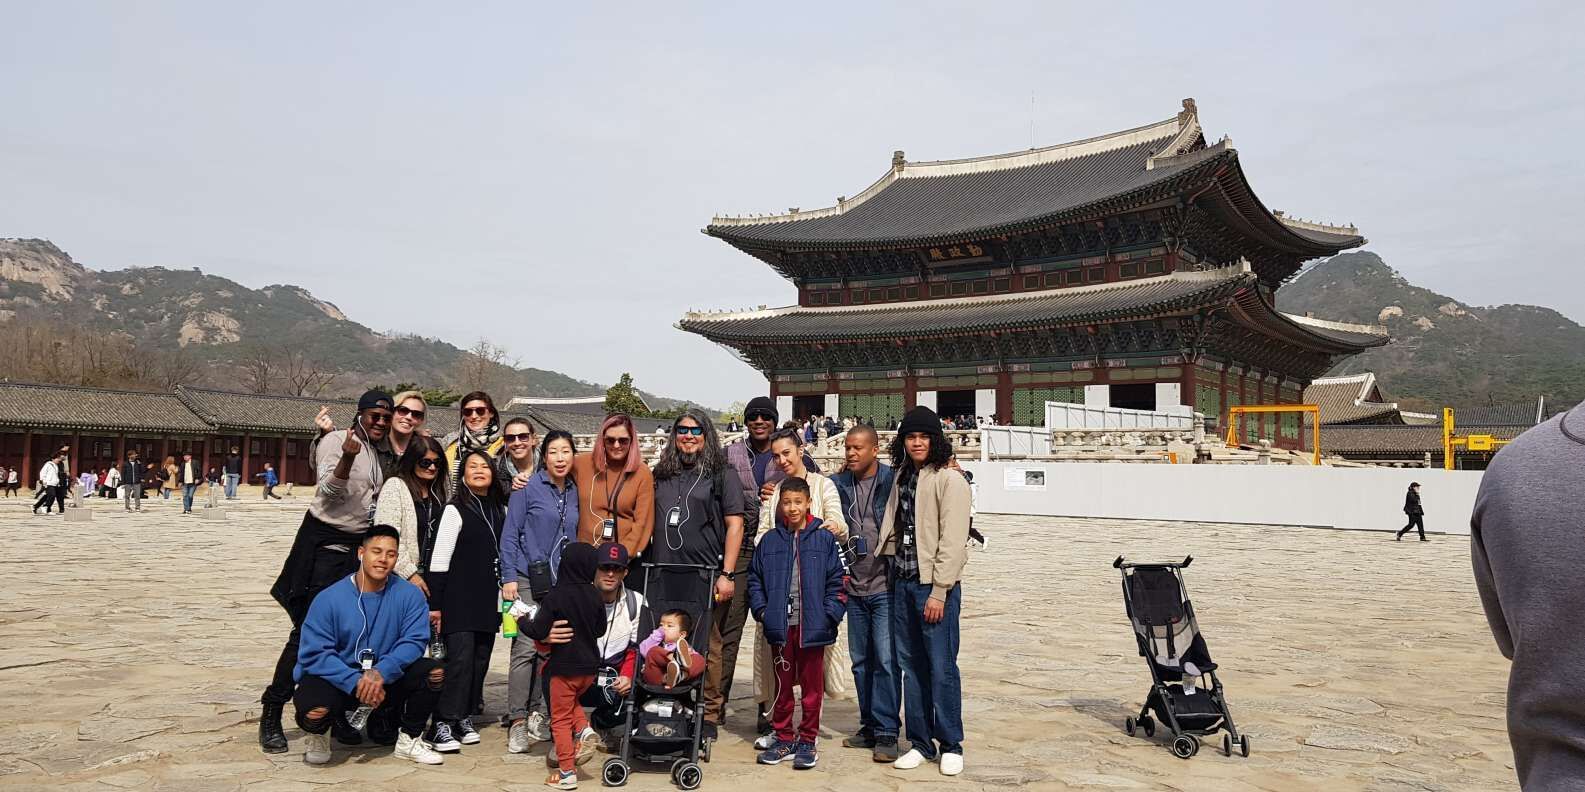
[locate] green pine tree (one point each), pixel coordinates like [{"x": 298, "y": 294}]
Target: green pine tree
[{"x": 623, "y": 398}]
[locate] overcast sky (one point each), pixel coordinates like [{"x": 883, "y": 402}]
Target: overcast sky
[{"x": 537, "y": 173}]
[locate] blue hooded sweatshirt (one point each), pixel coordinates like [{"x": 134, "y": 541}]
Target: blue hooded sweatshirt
[
  {"x": 821, "y": 605},
  {"x": 394, "y": 623}
]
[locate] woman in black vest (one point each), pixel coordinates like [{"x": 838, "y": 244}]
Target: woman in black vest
[
  {"x": 1412, "y": 507},
  {"x": 465, "y": 595}
]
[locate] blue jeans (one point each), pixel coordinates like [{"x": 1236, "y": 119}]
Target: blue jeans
[
  {"x": 928, "y": 657},
  {"x": 187, "y": 496},
  {"x": 231, "y": 485},
  {"x": 875, "y": 671}
]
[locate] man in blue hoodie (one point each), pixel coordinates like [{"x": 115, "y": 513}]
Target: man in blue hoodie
[
  {"x": 795, "y": 593},
  {"x": 362, "y": 647}
]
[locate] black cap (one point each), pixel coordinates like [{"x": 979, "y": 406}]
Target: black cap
[
  {"x": 374, "y": 398},
  {"x": 761, "y": 404},
  {"x": 611, "y": 554},
  {"x": 920, "y": 419}
]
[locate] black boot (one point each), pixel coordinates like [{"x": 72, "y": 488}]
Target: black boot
[
  {"x": 343, "y": 731},
  {"x": 271, "y": 738}
]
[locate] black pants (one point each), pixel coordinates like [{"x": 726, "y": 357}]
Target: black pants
[
  {"x": 410, "y": 698},
  {"x": 49, "y": 495},
  {"x": 329, "y": 567},
  {"x": 1415, "y": 521},
  {"x": 467, "y": 661}
]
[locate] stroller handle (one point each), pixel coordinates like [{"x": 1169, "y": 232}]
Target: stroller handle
[
  {"x": 660, "y": 565},
  {"x": 1187, "y": 560}
]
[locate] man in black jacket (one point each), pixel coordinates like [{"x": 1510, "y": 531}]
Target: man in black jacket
[
  {"x": 132, "y": 482},
  {"x": 1411, "y": 507}
]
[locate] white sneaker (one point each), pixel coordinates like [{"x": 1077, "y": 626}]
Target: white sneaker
[
  {"x": 416, "y": 749},
  {"x": 588, "y": 741},
  {"x": 951, "y": 764},
  {"x": 910, "y": 760},
  {"x": 517, "y": 739},
  {"x": 764, "y": 742},
  {"x": 316, "y": 748},
  {"x": 537, "y": 727}
]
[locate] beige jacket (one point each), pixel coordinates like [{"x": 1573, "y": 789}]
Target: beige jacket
[
  {"x": 941, "y": 527},
  {"x": 825, "y": 502}
]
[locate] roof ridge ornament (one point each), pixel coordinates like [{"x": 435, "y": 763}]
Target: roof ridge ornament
[
  {"x": 1311, "y": 225},
  {"x": 1189, "y": 136}
]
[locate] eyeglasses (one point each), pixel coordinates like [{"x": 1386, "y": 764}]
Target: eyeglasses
[
  {"x": 618, "y": 441},
  {"x": 518, "y": 438},
  {"x": 419, "y": 414},
  {"x": 427, "y": 463},
  {"x": 696, "y": 431},
  {"x": 377, "y": 418},
  {"x": 751, "y": 417},
  {"x": 469, "y": 412}
]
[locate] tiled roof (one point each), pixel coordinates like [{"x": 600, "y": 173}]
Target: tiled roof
[
  {"x": 920, "y": 202},
  {"x": 1511, "y": 414},
  {"x": 246, "y": 412},
  {"x": 36, "y": 406},
  {"x": 575, "y": 421},
  {"x": 1357, "y": 440},
  {"x": 1138, "y": 298},
  {"x": 1343, "y": 399}
]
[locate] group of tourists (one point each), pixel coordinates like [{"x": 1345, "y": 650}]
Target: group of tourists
[{"x": 493, "y": 517}]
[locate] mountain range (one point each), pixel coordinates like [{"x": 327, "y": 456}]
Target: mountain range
[
  {"x": 1443, "y": 352},
  {"x": 153, "y": 327}
]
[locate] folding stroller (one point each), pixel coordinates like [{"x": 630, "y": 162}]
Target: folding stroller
[
  {"x": 1171, "y": 643},
  {"x": 666, "y": 725}
]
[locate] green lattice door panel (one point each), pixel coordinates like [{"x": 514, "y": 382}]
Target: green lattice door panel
[
  {"x": 882, "y": 407},
  {"x": 1029, "y": 404}
]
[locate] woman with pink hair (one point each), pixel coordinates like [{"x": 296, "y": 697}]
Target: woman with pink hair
[{"x": 616, "y": 493}]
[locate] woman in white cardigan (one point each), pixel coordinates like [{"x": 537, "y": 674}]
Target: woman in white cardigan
[
  {"x": 825, "y": 503},
  {"x": 411, "y": 503}
]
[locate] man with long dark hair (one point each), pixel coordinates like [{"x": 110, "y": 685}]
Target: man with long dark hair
[
  {"x": 324, "y": 551},
  {"x": 699, "y": 520},
  {"x": 925, "y": 532}
]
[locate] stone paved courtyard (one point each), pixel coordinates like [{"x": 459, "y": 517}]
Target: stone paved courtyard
[{"x": 135, "y": 648}]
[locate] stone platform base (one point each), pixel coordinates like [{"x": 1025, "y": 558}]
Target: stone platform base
[{"x": 79, "y": 514}]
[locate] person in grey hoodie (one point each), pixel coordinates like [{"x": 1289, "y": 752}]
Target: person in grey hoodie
[{"x": 1525, "y": 544}]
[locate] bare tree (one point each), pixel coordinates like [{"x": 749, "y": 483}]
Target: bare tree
[
  {"x": 260, "y": 369},
  {"x": 305, "y": 376},
  {"x": 483, "y": 367},
  {"x": 177, "y": 367}
]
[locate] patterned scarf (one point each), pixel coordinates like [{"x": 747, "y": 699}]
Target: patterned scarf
[{"x": 907, "y": 484}]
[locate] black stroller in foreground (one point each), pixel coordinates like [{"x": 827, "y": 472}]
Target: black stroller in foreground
[
  {"x": 666, "y": 725},
  {"x": 1170, "y": 641}
]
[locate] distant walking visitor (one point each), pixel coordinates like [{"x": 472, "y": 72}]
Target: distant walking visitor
[{"x": 1416, "y": 512}]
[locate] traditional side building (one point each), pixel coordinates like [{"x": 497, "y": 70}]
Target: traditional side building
[{"x": 1135, "y": 269}]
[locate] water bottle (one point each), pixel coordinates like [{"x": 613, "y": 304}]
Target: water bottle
[
  {"x": 359, "y": 717},
  {"x": 437, "y": 646},
  {"x": 508, "y": 622}
]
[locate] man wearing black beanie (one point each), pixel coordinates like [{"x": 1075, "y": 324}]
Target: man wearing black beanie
[{"x": 925, "y": 531}]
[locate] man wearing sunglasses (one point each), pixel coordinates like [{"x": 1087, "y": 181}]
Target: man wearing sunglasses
[
  {"x": 758, "y": 475},
  {"x": 521, "y": 453},
  {"x": 324, "y": 551}
]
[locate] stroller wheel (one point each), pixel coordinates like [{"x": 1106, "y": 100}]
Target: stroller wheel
[
  {"x": 689, "y": 776},
  {"x": 614, "y": 773},
  {"x": 1243, "y": 745},
  {"x": 704, "y": 750},
  {"x": 1128, "y": 725},
  {"x": 1149, "y": 725},
  {"x": 677, "y": 764},
  {"x": 1185, "y": 746},
  {"x": 1227, "y": 745}
]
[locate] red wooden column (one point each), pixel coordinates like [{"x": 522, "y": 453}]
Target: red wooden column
[
  {"x": 76, "y": 470},
  {"x": 280, "y": 466},
  {"x": 121, "y": 449},
  {"x": 910, "y": 392},
  {"x": 204, "y": 466},
  {"x": 246, "y": 448},
  {"x": 27, "y": 459},
  {"x": 1004, "y": 397}
]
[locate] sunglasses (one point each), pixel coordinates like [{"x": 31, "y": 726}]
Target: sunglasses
[
  {"x": 377, "y": 418},
  {"x": 618, "y": 441},
  {"x": 518, "y": 438},
  {"x": 427, "y": 463},
  {"x": 696, "y": 431},
  {"x": 760, "y": 417},
  {"x": 469, "y": 412},
  {"x": 419, "y": 414}
]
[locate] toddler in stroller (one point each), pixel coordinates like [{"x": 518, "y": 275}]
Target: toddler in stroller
[
  {"x": 1170, "y": 641},
  {"x": 665, "y": 712}
]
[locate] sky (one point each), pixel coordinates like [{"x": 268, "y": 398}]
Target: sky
[{"x": 538, "y": 173}]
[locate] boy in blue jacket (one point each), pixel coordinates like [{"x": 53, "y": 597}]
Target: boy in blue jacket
[
  {"x": 795, "y": 593},
  {"x": 362, "y": 646}
]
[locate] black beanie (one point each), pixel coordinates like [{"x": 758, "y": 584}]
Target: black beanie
[
  {"x": 761, "y": 404},
  {"x": 920, "y": 419}
]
